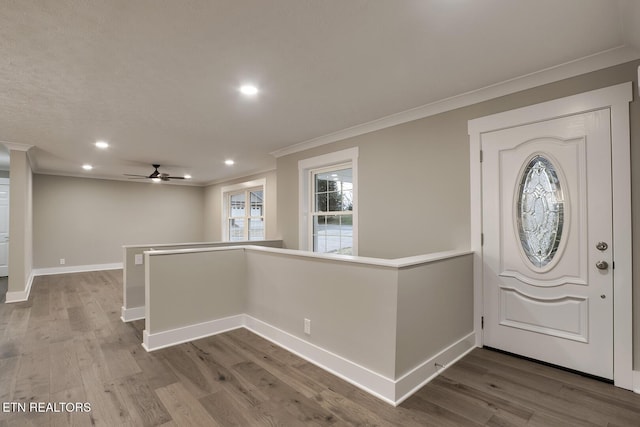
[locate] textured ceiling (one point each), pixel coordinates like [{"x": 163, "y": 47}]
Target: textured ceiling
[{"x": 158, "y": 79}]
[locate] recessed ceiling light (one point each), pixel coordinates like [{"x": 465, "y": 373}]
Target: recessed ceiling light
[
  {"x": 187, "y": 176},
  {"x": 229, "y": 162},
  {"x": 102, "y": 144},
  {"x": 87, "y": 167},
  {"x": 249, "y": 90}
]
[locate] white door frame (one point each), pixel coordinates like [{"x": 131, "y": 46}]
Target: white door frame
[{"x": 617, "y": 99}]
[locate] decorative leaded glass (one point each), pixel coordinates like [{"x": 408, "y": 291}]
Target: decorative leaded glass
[{"x": 540, "y": 209}]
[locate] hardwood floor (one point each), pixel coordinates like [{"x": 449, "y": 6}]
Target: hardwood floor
[{"x": 67, "y": 344}]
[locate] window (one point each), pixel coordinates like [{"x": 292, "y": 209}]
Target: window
[
  {"x": 332, "y": 210},
  {"x": 328, "y": 202},
  {"x": 243, "y": 212}
]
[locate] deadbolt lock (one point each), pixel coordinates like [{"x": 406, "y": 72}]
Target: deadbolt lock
[{"x": 602, "y": 246}]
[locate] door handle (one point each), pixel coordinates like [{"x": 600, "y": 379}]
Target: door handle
[{"x": 602, "y": 265}]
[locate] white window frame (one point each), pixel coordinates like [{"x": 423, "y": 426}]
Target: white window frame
[
  {"x": 305, "y": 177},
  {"x": 248, "y": 186}
]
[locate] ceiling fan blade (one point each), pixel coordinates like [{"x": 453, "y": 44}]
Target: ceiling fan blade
[{"x": 156, "y": 175}]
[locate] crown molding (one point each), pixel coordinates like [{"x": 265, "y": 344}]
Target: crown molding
[
  {"x": 25, "y": 148},
  {"x": 16, "y": 146},
  {"x": 246, "y": 176},
  {"x": 608, "y": 58},
  {"x": 88, "y": 175}
]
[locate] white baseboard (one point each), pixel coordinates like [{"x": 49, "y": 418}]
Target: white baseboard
[
  {"x": 131, "y": 314},
  {"x": 361, "y": 377},
  {"x": 152, "y": 342},
  {"x": 20, "y": 296},
  {"x": 391, "y": 391},
  {"x": 76, "y": 269},
  {"x": 415, "y": 379},
  {"x": 636, "y": 381}
]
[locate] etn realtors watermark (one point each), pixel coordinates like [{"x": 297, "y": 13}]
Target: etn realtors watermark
[{"x": 46, "y": 407}]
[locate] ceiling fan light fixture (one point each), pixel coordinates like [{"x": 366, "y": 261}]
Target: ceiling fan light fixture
[
  {"x": 156, "y": 176},
  {"x": 187, "y": 176}
]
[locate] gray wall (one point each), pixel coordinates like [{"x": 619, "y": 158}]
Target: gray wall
[
  {"x": 213, "y": 206},
  {"x": 211, "y": 287},
  {"x": 134, "y": 275},
  {"x": 352, "y": 307},
  {"x": 410, "y": 175},
  {"x": 435, "y": 307},
  {"x": 86, "y": 221},
  {"x": 423, "y": 166}
]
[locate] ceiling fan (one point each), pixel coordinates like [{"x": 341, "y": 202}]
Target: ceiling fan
[{"x": 155, "y": 176}]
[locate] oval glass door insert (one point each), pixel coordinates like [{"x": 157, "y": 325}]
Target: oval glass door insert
[{"x": 540, "y": 211}]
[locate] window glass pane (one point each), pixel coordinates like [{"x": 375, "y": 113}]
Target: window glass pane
[
  {"x": 346, "y": 245},
  {"x": 333, "y": 234},
  {"x": 346, "y": 234},
  {"x": 335, "y": 201},
  {"x": 343, "y": 177},
  {"x": 257, "y": 203},
  {"x": 540, "y": 209},
  {"x": 256, "y": 229},
  {"x": 347, "y": 200},
  {"x": 236, "y": 205},
  {"x": 236, "y": 229},
  {"x": 321, "y": 183},
  {"x": 321, "y": 203},
  {"x": 333, "y": 192},
  {"x": 319, "y": 233}
]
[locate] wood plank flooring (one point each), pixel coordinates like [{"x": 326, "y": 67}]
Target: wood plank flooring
[{"x": 67, "y": 344}]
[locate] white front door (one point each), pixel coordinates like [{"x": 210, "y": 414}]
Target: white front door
[{"x": 547, "y": 226}]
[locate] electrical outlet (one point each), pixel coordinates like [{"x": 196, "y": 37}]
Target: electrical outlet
[
  {"x": 62, "y": 261},
  {"x": 307, "y": 326},
  {"x": 138, "y": 259}
]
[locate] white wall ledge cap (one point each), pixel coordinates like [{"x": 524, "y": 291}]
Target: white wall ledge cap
[
  {"x": 166, "y": 245},
  {"x": 380, "y": 262}
]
